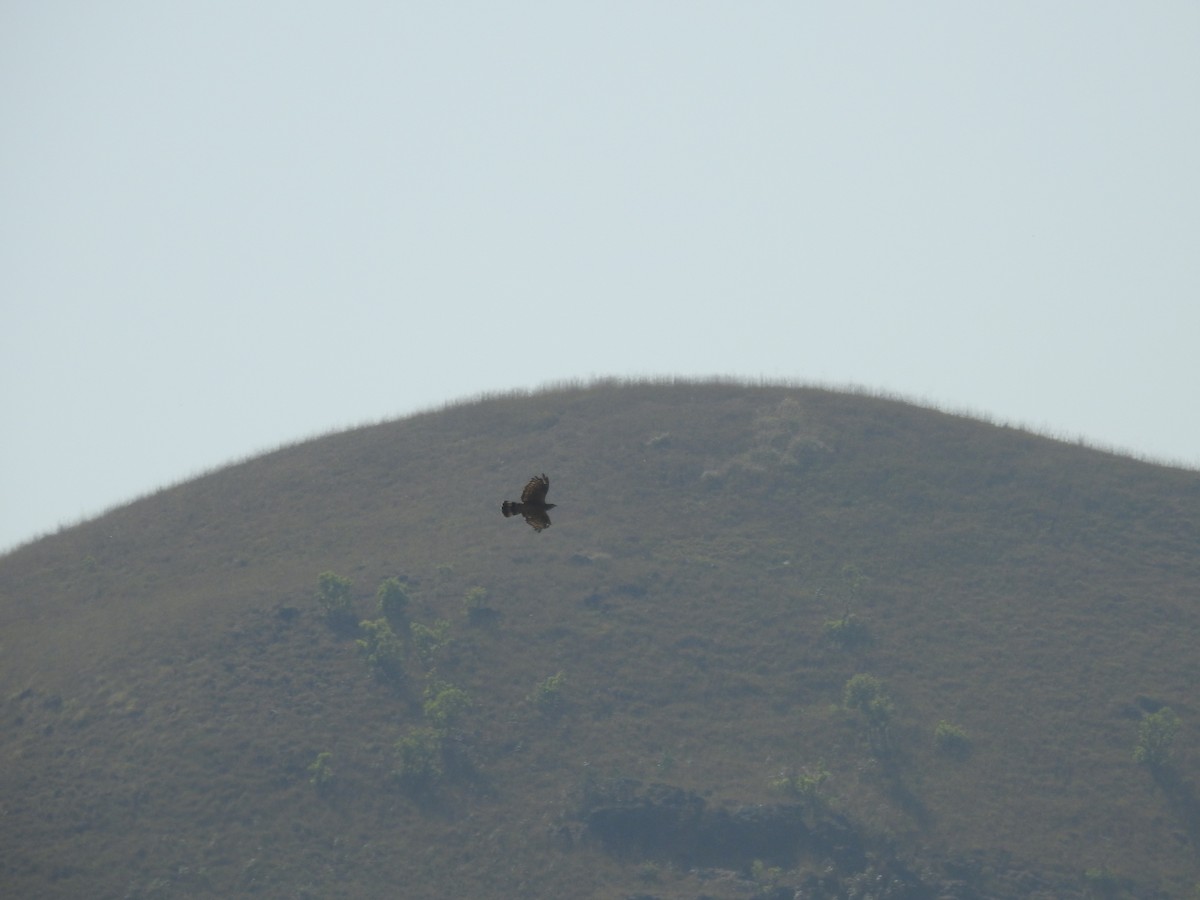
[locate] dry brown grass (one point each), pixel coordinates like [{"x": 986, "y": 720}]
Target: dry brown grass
[{"x": 167, "y": 678}]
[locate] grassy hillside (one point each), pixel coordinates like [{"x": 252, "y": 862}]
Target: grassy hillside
[{"x": 649, "y": 698}]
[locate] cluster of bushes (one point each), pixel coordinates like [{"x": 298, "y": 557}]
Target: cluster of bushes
[
  {"x": 865, "y": 694},
  {"x": 382, "y": 649},
  {"x": 384, "y": 641},
  {"x": 434, "y": 750},
  {"x": 387, "y": 643},
  {"x": 423, "y": 755},
  {"x": 805, "y": 784}
]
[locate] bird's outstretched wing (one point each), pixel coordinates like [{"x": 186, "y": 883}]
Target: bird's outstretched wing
[
  {"x": 537, "y": 519},
  {"x": 535, "y": 491}
]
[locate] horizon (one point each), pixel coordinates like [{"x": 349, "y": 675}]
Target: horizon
[{"x": 482, "y": 397}]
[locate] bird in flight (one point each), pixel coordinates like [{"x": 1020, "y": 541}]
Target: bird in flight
[{"x": 533, "y": 505}]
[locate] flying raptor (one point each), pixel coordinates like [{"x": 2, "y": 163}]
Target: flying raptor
[{"x": 533, "y": 505}]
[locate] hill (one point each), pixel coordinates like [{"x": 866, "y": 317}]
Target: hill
[{"x": 776, "y": 639}]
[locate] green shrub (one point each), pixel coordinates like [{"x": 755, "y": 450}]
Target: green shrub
[
  {"x": 865, "y": 694},
  {"x": 429, "y": 639},
  {"x": 333, "y": 596},
  {"x": 1156, "y": 734},
  {"x": 951, "y": 740},
  {"x": 444, "y": 704},
  {"x": 419, "y": 758},
  {"x": 848, "y": 631},
  {"x": 547, "y": 695},
  {"x": 805, "y": 784},
  {"x": 765, "y": 876},
  {"x": 476, "y": 606},
  {"x": 861, "y": 691},
  {"x": 321, "y": 771},
  {"x": 383, "y": 650},
  {"x": 392, "y": 598}
]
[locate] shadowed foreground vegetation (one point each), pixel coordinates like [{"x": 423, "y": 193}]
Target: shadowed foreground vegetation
[{"x": 777, "y": 640}]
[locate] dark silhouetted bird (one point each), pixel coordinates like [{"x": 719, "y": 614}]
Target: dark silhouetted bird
[{"x": 533, "y": 505}]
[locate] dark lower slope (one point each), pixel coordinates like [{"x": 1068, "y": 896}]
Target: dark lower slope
[{"x": 170, "y": 680}]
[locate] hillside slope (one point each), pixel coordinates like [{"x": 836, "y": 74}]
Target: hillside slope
[{"x": 170, "y": 678}]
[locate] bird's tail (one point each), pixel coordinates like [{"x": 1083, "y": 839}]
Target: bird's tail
[{"x": 509, "y": 508}]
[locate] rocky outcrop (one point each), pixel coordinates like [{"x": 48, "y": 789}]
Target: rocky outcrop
[
  {"x": 790, "y": 850},
  {"x": 665, "y": 822}
]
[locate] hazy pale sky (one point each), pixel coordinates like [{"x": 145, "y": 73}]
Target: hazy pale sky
[{"x": 230, "y": 225}]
